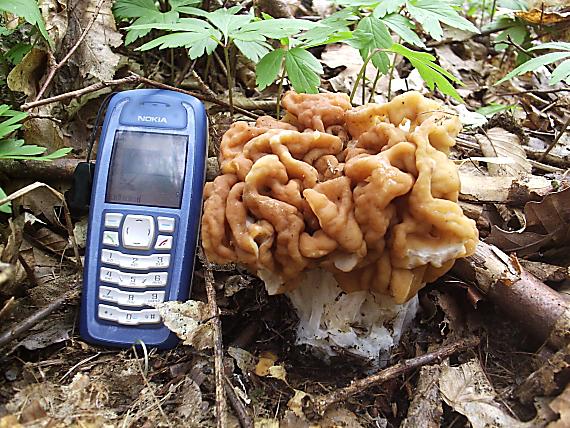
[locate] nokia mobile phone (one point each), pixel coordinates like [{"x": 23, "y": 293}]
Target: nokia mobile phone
[{"x": 144, "y": 216}]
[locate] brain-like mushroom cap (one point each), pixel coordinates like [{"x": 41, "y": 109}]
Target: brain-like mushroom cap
[{"x": 366, "y": 193}]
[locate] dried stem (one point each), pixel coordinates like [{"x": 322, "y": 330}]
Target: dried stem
[
  {"x": 322, "y": 403},
  {"x": 60, "y": 64},
  {"x": 241, "y": 412},
  {"x": 230, "y": 81},
  {"x": 39, "y": 315},
  {"x": 133, "y": 78},
  {"x": 562, "y": 131},
  {"x": 80, "y": 92},
  {"x": 221, "y": 405}
]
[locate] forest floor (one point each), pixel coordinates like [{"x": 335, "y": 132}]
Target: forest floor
[{"x": 512, "y": 377}]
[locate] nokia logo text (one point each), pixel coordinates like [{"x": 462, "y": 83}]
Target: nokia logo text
[{"x": 153, "y": 119}]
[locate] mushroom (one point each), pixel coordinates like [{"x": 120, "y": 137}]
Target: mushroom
[{"x": 349, "y": 211}]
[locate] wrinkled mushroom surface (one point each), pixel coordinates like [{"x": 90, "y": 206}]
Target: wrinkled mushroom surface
[{"x": 367, "y": 193}]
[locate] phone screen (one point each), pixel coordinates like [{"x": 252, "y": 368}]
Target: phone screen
[{"x": 147, "y": 169}]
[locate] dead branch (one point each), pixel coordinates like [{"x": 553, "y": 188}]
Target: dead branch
[
  {"x": 80, "y": 92},
  {"x": 551, "y": 146},
  {"x": 39, "y": 315},
  {"x": 201, "y": 97},
  {"x": 320, "y": 404},
  {"x": 245, "y": 420},
  {"x": 62, "y": 169},
  {"x": 221, "y": 405},
  {"x": 522, "y": 296},
  {"x": 58, "y": 169},
  {"x": 60, "y": 64}
]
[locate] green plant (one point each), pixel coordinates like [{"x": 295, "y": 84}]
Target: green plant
[
  {"x": 224, "y": 27},
  {"x": 27, "y": 9},
  {"x": 147, "y": 12},
  {"x": 16, "y": 149},
  {"x": 364, "y": 24},
  {"x": 561, "y": 72}
]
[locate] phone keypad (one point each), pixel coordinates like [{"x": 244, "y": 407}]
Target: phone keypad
[{"x": 144, "y": 286}]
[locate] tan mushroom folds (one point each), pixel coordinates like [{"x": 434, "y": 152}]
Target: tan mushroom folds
[{"x": 368, "y": 194}]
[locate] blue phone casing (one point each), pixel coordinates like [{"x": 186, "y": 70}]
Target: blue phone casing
[{"x": 134, "y": 111}]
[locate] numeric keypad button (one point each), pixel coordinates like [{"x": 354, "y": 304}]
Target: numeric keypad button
[{"x": 133, "y": 280}]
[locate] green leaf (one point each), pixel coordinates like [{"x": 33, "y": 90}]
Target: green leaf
[
  {"x": 517, "y": 32},
  {"x": 358, "y": 3},
  {"x": 432, "y": 73},
  {"x": 29, "y": 10},
  {"x": 402, "y": 26},
  {"x": 253, "y": 50},
  {"x": 275, "y": 28},
  {"x": 177, "y": 4},
  {"x": 198, "y": 43},
  {"x": 134, "y": 8},
  {"x": 55, "y": 155},
  {"x": 370, "y": 34},
  {"x": 535, "y": 63},
  {"x": 303, "y": 70},
  {"x": 388, "y": 6},
  {"x": 493, "y": 109},
  {"x": 143, "y": 25},
  {"x": 268, "y": 68},
  {"x": 562, "y": 72},
  {"x": 17, "y": 52},
  {"x": 227, "y": 21},
  {"x": 6, "y": 208},
  {"x": 333, "y": 29},
  {"x": 431, "y": 13},
  {"x": 563, "y": 46},
  {"x": 513, "y": 4}
]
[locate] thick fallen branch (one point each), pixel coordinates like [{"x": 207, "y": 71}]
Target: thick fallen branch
[
  {"x": 537, "y": 307},
  {"x": 38, "y": 316},
  {"x": 319, "y": 405}
]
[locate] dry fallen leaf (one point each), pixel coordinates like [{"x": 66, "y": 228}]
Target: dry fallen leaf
[
  {"x": 547, "y": 225},
  {"x": 468, "y": 391},
  {"x": 561, "y": 405},
  {"x": 515, "y": 191},
  {"x": 244, "y": 360},
  {"x": 501, "y": 143},
  {"x": 190, "y": 321}
]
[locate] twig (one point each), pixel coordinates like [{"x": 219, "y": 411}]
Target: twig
[
  {"x": 194, "y": 94},
  {"x": 562, "y": 131},
  {"x": 221, "y": 405},
  {"x": 322, "y": 403},
  {"x": 38, "y": 316},
  {"x": 241, "y": 412},
  {"x": 533, "y": 91},
  {"x": 60, "y": 64},
  {"x": 80, "y": 92}
]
